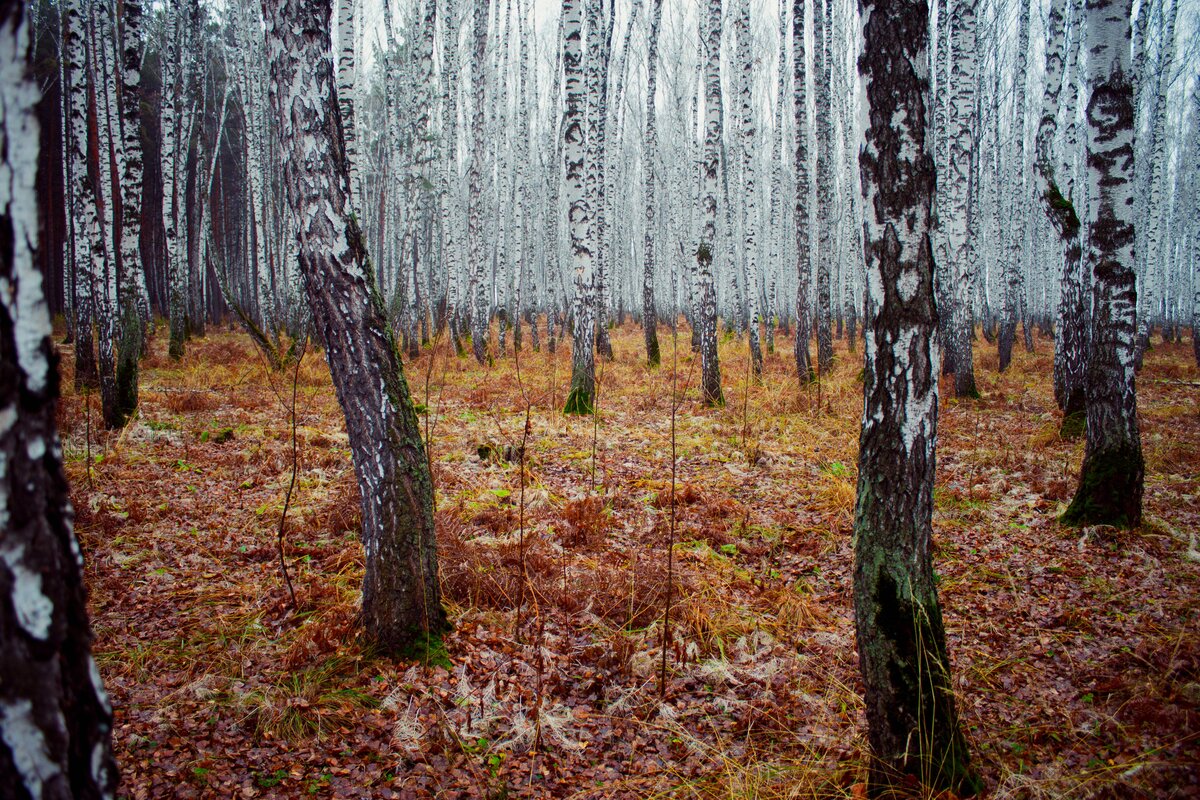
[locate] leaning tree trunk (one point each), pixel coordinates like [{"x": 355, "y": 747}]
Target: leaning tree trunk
[
  {"x": 1110, "y": 483},
  {"x": 804, "y": 368},
  {"x": 649, "y": 165},
  {"x": 912, "y": 721},
  {"x": 401, "y": 600},
  {"x": 710, "y": 368},
  {"x": 55, "y": 717}
]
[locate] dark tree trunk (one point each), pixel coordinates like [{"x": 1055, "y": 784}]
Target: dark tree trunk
[
  {"x": 913, "y": 725},
  {"x": 55, "y": 718},
  {"x": 401, "y": 600}
]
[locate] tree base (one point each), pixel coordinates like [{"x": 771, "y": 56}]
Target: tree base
[
  {"x": 1073, "y": 425},
  {"x": 1110, "y": 489},
  {"x": 579, "y": 401}
]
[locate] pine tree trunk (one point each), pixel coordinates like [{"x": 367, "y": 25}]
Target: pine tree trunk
[
  {"x": 55, "y": 717},
  {"x": 401, "y": 599},
  {"x": 1111, "y": 481},
  {"x": 912, "y": 720}
]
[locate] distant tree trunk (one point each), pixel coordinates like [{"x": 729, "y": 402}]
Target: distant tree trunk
[
  {"x": 1013, "y": 265},
  {"x": 87, "y": 244},
  {"x": 912, "y": 721},
  {"x": 401, "y": 599},
  {"x": 750, "y": 220},
  {"x": 479, "y": 295},
  {"x": 710, "y": 369},
  {"x": 55, "y": 717},
  {"x": 1110, "y": 483},
  {"x": 804, "y": 368},
  {"x": 649, "y": 165},
  {"x": 956, "y": 213},
  {"x": 102, "y": 70},
  {"x": 822, "y": 66},
  {"x": 1070, "y": 339}
]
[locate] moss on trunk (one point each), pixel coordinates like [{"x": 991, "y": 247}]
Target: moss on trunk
[{"x": 1110, "y": 489}]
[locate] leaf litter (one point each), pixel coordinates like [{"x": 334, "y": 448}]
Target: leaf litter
[{"x": 1076, "y": 654}]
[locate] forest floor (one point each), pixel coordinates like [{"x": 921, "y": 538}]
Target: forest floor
[{"x": 1076, "y": 654}]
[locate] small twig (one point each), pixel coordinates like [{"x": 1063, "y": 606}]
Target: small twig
[
  {"x": 287, "y": 500},
  {"x": 87, "y": 432}
]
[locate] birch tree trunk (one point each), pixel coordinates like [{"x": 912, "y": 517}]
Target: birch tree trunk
[
  {"x": 825, "y": 182},
  {"x": 55, "y": 717},
  {"x": 1070, "y": 352},
  {"x": 804, "y": 369},
  {"x": 750, "y": 220},
  {"x": 912, "y": 720},
  {"x": 1013, "y": 266},
  {"x": 956, "y": 213},
  {"x": 1111, "y": 480},
  {"x": 649, "y": 168},
  {"x": 87, "y": 244},
  {"x": 102, "y": 80},
  {"x": 479, "y": 302},
  {"x": 710, "y": 369},
  {"x": 401, "y": 599},
  {"x": 581, "y": 398},
  {"x": 346, "y": 99},
  {"x": 135, "y": 309}
]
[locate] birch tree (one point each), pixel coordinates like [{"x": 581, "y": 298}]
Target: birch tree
[
  {"x": 955, "y": 212},
  {"x": 579, "y": 216},
  {"x": 822, "y": 68},
  {"x": 710, "y": 369},
  {"x": 1014, "y": 280},
  {"x": 804, "y": 368},
  {"x": 750, "y": 197},
  {"x": 1052, "y": 169},
  {"x": 650, "y": 168},
  {"x": 401, "y": 598},
  {"x": 479, "y": 303},
  {"x": 1111, "y": 479},
  {"x": 55, "y": 717},
  {"x": 912, "y": 721}
]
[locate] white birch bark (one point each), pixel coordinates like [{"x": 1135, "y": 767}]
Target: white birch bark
[
  {"x": 710, "y": 369},
  {"x": 1111, "y": 479},
  {"x": 955, "y": 213},
  {"x": 581, "y": 398}
]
